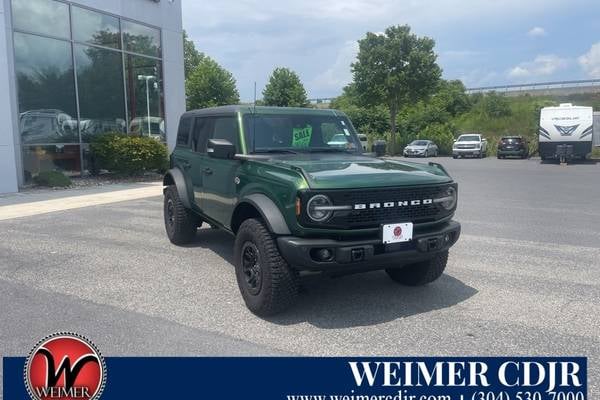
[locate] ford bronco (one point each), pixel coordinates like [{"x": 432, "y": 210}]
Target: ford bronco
[{"x": 295, "y": 189}]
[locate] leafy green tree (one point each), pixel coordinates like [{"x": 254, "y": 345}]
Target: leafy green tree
[
  {"x": 210, "y": 85},
  {"x": 452, "y": 97},
  {"x": 495, "y": 105},
  {"x": 191, "y": 56},
  {"x": 284, "y": 89},
  {"x": 373, "y": 121},
  {"x": 395, "y": 69}
]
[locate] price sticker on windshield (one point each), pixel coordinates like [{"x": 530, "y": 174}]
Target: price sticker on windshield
[{"x": 397, "y": 233}]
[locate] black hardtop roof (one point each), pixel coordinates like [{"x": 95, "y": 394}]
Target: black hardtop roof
[{"x": 249, "y": 109}]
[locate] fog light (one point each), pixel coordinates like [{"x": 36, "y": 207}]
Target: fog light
[{"x": 322, "y": 255}]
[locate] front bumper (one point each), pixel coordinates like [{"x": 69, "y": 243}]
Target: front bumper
[
  {"x": 413, "y": 153},
  {"x": 466, "y": 152},
  {"x": 367, "y": 254}
]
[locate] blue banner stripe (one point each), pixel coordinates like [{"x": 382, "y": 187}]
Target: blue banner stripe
[{"x": 295, "y": 378}]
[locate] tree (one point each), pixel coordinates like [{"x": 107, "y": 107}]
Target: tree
[
  {"x": 395, "y": 68},
  {"x": 284, "y": 89},
  {"x": 210, "y": 85},
  {"x": 191, "y": 56}
]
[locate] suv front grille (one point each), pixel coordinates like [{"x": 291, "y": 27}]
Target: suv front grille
[{"x": 373, "y": 217}]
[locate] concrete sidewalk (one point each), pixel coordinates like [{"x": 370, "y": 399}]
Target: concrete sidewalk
[{"x": 36, "y": 202}]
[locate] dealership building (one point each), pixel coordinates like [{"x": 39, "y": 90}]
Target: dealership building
[{"x": 72, "y": 70}]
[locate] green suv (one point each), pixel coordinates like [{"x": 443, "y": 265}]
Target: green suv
[{"x": 295, "y": 189}]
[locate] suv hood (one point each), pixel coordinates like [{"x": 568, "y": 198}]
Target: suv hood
[{"x": 344, "y": 171}]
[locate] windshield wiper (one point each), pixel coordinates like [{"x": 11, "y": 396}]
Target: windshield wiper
[{"x": 275, "y": 151}]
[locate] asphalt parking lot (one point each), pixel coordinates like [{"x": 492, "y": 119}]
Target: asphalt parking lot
[{"x": 524, "y": 279}]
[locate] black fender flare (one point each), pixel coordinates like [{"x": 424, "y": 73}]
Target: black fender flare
[
  {"x": 175, "y": 176},
  {"x": 269, "y": 212}
]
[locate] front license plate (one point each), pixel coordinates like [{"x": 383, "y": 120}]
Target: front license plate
[{"x": 397, "y": 233}]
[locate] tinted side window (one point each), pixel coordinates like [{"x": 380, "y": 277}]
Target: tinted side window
[
  {"x": 202, "y": 129},
  {"x": 226, "y": 128},
  {"x": 183, "y": 134}
]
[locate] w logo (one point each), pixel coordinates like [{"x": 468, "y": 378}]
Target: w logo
[
  {"x": 65, "y": 366},
  {"x": 566, "y": 130}
]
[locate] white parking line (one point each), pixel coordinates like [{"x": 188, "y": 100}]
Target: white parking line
[{"x": 69, "y": 203}]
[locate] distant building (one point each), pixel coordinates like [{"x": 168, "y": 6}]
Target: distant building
[{"x": 71, "y": 70}]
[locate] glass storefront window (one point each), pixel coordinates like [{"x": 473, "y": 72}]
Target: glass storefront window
[
  {"x": 47, "y": 17},
  {"x": 95, "y": 28},
  {"x": 141, "y": 39},
  {"x": 65, "y": 158},
  {"x": 144, "y": 96},
  {"x": 46, "y": 90},
  {"x": 100, "y": 86},
  {"x": 77, "y": 77}
]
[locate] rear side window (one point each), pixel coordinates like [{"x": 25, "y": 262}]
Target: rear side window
[
  {"x": 183, "y": 134},
  {"x": 200, "y": 134}
]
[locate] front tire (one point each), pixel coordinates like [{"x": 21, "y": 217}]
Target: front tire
[
  {"x": 420, "y": 273},
  {"x": 267, "y": 283},
  {"x": 181, "y": 223}
]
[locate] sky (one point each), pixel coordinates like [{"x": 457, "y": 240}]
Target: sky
[{"x": 481, "y": 42}]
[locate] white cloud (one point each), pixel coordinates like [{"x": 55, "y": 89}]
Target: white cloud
[
  {"x": 590, "y": 61},
  {"x": 537, "y": 31},
  {"x": 251, "y": 37},
  {"x": 338, "y": 74},
  {"x": 541, "y": 66}
]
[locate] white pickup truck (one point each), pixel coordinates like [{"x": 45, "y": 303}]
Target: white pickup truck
[{"x": 469, "y": 144}]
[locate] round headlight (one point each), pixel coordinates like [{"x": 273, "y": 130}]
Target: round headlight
[
  {"x": 316, "y": 208},
  {"x": 448, "y": 199}
]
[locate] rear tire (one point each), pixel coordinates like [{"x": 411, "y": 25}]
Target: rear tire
[
  {"x": 181, "y": 223},
  {"x": 267, "y": 283},
  {"x": 420, "y": 273}
]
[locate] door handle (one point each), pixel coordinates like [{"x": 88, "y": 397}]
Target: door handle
[{"x": 208, "y": 171}]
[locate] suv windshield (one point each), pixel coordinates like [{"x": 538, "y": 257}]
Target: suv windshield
[
  {"x": 468, "y": 138},
  {"x": 299, "y": 133}
]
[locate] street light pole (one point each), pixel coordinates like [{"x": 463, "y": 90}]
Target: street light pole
[{"x": 147, "y": 79}]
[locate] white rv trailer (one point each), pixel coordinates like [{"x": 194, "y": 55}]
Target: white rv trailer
[
  {"x": 565, "y": 132},
  {"x": 596, "y": 134}
]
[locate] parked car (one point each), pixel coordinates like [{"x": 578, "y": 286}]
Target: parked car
[
  {"x": 296, "y": 203},
  {"x": 364, "y": 142},
  {"x": 469, "y": 144},
  {"x": 514, "y": 146},
  {"x": 422, "y": 148}
]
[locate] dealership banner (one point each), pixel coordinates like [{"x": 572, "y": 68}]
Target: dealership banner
[{"x": 86, "y": 376}]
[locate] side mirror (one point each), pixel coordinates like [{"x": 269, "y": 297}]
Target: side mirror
[{"x": 220, "y": 148}]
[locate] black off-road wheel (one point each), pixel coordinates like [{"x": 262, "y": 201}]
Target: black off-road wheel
[
  {"x": 267, "y": 283},
  {"x": 421, "y": 273},
  {"x": 181, "y": 223}
]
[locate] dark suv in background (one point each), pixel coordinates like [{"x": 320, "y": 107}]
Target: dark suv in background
[{"x": 512, "y": 146}]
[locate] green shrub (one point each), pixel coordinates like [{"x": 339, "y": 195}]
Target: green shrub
[
  {"x": 52, "y": 179},
  {"x": 441, "y": 134},
  {"x": 128, "y": 155}
]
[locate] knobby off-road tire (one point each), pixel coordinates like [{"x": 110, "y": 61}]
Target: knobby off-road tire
[
  {"x": 267, "y": 283},
  {"x": 421, "y": 273},
  {"x": 180, "y": 223}
]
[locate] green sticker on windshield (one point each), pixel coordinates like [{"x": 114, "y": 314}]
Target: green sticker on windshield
[{"x": 301, "y": 136}]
